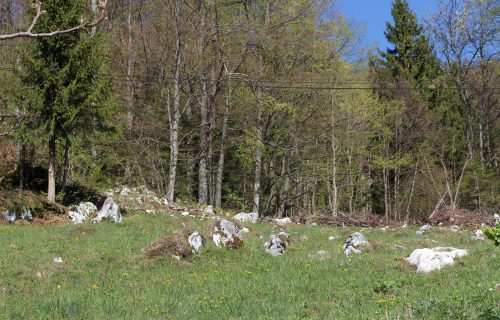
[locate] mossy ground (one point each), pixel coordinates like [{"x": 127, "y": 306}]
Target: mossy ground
[{"x": 105, "y": 276}]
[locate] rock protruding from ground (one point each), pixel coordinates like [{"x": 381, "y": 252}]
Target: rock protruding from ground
[
  {"x": 195, "y": 241},
  {"x": 497, "y": 219},
  {"x": 110, "y": 210},
  {"x": 277, "y": 244},
  {"x": 12, "y": 215},
  {"x": 227, "y": 234},
  {"x": 352, "y": 243},
  {"x": 247, "y": 217},
  {"x": 423, "y": 229},
  {"x": 209, "y": 210},
  {"x": 478, "y": 235},
  {"x": 82, "y": 212},
  {"x": 428, "y": 260},
  {"x": 283, "y": 221}
]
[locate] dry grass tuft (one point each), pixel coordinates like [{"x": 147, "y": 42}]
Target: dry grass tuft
[{"x": 175, "y": 244}]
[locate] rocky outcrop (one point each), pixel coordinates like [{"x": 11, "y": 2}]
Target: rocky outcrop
[
  {"x": 227, "y": 234},
  {"x": 277, "y": 244},
  {"x": 247, "y": 217},
  {"x": 428, "y": 260},
  {"x": 110, "y": 210},
  {"x": 352, "y": 243}
]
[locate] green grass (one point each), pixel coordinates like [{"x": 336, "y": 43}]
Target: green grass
[{"x": 104, "y": 275}]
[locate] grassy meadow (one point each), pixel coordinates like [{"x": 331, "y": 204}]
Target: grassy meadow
[{"x": 104, "y": 275}]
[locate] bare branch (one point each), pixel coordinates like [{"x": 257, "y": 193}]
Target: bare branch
[{"x": 100, "y": 16}]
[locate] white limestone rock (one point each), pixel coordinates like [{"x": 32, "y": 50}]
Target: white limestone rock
[
  {"x": 195, "y": 241},
  {"x": 478, "y": 235},
  {"x": 352, "y": 242},
  {"x": 277, "y": 244},
  {"x": 247, "y": 217},
  {"x": 454, "y": 228},
  {"x": 350, "y": 249},
  {"x": 8, "y": 215},
  {"x": 428, "y": 260},
  {"x": 82, "y": 212},
  {"x": 497, "y": 219},
  {"x": 423, "y": 229},
  {"x": 125, "y": 191},
  {"x": 57, "y": 260},
  {"x": 12, "y": 215},
  {"x": 110, "y": 210},
  {"x": 227, "y": 234},
  {"x": 283, "y": 221},
  {"x": 209, "y": 210}
]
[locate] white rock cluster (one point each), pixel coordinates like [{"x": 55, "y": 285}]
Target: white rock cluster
[
  {"x": 283, "y": 221},
  {"x": 423, "y": 229},
  {"x": 428, "y": 260},
  {"x": 110, "y": 210},
  {"x": 478, "y": 235},
  {"x": 352, "y": 242},
  {"x": 277, "y": 244},
  {"x": 227, "y": 234},
  {"x": 247, "y": 217},
  {"x": 82, "y": 212},
  {"x": 11, "y": 215},
  {"x": 195, "y": 241}
]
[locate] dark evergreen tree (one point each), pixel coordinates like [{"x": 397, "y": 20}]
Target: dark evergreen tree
[
  {"x": 66, "y": 81},
  {"x": 412, "y": 57}
]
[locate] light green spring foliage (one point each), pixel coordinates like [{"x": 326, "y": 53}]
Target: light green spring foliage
[
  {"x": 104, "y": 276},
  {"x": 493, "y": 233}
]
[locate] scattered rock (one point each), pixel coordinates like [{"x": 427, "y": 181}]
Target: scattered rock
[
  {"x": 352, "y": 242},
  {"x": 322, "y": 252},
  {"x": 82, "y": 212},
  {"x": 333, "y": 238},
  {"x": 57, "y": 260},
  {"x": 245, "y": 230},
  {"x": 424, "y": 229},
  {"x": 497, "y": 219},
  {"x": 428, "y": 260},
  {"x": 8, "y": 215},
  {"x": 283, "y": 221},
  {"x": 109, "y": 210},
  {"x": 209, "y": 210},
  {"x": 11, "y": 215},
  {"x": 277, "y": 244},
  {"x": 478, "y": 235},
  {"x": 227, "y": 234},
  {"x": 185, "y": 213},
  {"x": 454, "y": 228},
  {"x": 350, "y": 250},
  {"x": 195, "y": 241},
  {"x": 125, "y": 191},
  {"x": 397, "y": 246},
  {"x": 246, "y": 217}
]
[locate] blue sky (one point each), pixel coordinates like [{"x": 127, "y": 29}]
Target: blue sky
[{"x": 375, "y": 13}]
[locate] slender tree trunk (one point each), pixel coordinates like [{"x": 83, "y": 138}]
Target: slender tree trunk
[
  {"x": 334, "y": 166},
  {"x": 51, "y": 192},
  {"x": 176, "y": 112},
  {"x": 260, "y": 125},
  {"x": 130, "y": 66},
  {"x": 67, "y": 154},
  {"x": 220, "y": 165},
  {"x": 204, "y": 128}
]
